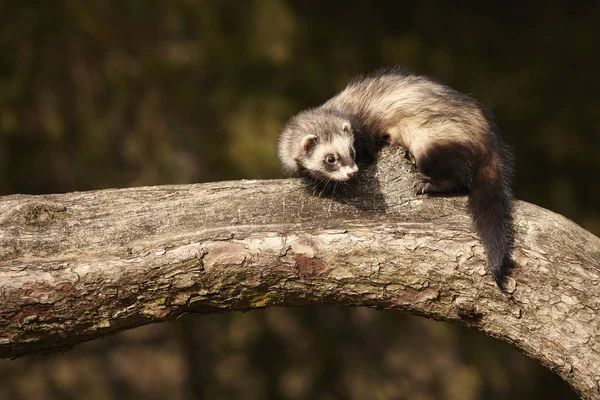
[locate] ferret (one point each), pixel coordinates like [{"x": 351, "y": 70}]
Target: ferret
[{"x": 452, "y": 138}]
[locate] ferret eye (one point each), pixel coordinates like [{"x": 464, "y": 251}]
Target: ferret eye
[{"x": 330, "y": 158}]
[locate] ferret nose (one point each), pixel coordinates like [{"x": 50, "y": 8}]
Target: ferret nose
[{"x": 352, "y": 173}]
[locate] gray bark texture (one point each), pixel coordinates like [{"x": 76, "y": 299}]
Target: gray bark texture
[{"x": 80, "y": 266}]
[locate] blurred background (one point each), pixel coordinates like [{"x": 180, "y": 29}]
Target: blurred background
[{"x": 110, "y": 93}]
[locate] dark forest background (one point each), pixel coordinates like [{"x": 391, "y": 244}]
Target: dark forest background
[{"x": 97, "y": 94}]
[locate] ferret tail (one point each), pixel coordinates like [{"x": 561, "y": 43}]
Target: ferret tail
[{"x": 490, "y": 204}]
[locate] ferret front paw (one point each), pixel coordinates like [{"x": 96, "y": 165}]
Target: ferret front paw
[{"x": 422, "y": 186}]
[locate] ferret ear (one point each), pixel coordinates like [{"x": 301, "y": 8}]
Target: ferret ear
[
  {"x": 346, "y": 127},
  {"x": 308, "y": 142}
]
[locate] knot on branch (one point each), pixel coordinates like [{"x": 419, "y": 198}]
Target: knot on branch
[{"x": 35, "y": 213}]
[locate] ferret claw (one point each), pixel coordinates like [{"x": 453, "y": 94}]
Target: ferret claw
[{"x": 422, "y": 186}]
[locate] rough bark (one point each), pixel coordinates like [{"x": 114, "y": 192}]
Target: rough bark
[{"x": 79, "y": 266}]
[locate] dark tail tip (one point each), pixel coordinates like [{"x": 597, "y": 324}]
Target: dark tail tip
[{"x": 501, "y": 272}]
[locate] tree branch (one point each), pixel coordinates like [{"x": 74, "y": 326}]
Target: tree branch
[{"x": 79, "y": 266}]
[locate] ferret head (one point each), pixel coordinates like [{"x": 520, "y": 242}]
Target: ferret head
[{"x": 323, "y": 145}]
